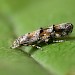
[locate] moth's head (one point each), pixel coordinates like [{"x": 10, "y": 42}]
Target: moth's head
[
  {"x": 68, "y": 27},
  {"x": 15, "y": 44},
  {"x": 63, "y": 28}
]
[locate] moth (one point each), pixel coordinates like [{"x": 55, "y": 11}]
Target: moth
[{"x": 43, "y": 35}]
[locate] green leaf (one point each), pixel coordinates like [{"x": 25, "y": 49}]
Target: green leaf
[
  {"x": 27, "y": 16},
  {"x": 15, "y": 61}
]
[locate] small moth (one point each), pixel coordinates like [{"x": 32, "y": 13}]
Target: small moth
[{"x": 43, "y": 35}]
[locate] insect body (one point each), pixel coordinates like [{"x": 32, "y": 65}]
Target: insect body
[{"x": 43, "y": 35}]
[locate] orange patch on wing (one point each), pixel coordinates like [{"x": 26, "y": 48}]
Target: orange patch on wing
[
  {"x": 44, "y": 34},
  {"x": 57, "y": 27},
  {"x": 31, "y": 35}
]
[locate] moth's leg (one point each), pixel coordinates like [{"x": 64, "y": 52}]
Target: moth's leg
[
  {"x": 36, "y": 46},
  {"x": 33, "y": 45},
  {"x": 58, "y": 41}
]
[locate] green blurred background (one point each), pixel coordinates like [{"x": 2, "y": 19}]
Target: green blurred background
[{"x": 18, "y": 17}]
